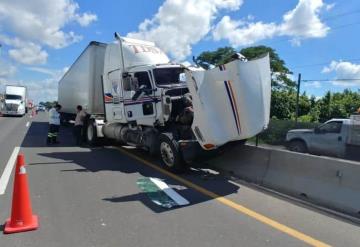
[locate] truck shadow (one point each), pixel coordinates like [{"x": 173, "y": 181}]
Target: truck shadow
[
  {"x": 100, "y": 159},
  {"x": 110, "y": 159}
]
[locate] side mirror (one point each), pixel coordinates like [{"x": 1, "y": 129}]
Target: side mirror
[{"x": 317, "y": 130}]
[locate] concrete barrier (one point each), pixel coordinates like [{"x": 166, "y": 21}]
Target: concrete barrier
[
  {"x": 329, "y": 182},
  {"x": 246, "y": 162}
]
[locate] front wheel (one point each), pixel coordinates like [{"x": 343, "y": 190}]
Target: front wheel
[
  {"x": 170, "y": 154},
  {"x": 91, "y": 133},
  {"x": 297, "y": 146}
]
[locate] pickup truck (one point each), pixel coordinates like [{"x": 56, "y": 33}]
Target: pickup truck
[{"x": 336, "y": 137}]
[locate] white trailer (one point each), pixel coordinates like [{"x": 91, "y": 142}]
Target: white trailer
[
  {"x": 135, "y": 95},
  {"x": 15, "y": 101}
]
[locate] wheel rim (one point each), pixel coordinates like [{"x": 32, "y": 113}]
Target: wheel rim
[
  {"x": 167, "y": 154},
  {"x": 90, "y": 132}
]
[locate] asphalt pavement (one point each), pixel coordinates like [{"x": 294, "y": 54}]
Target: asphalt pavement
[{"x": 89, "y": 197}]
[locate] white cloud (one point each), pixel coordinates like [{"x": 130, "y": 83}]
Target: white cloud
[
  {"x": 46, "y": 89},
  {"x": 303, "y": 21},
  {"x": 344, "y": 70},
  {"x": 240, "y": 33},
  {"x": 86, "y": 19},
  {"x": 300, "y": 23},
  {"x": 179, "y": 24},
  {"x": 29, "y": 54},
  {"x": 313, "y": 84},
  {"x": 330, "y": 6},
  {"x": 6, "y": 70},
  {"x": 39, "y": 22}
]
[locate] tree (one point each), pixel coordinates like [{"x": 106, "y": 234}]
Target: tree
[{"x": 218, "y": 57}]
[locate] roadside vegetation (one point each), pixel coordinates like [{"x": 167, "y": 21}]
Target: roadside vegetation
[{"x": 312, "y": 111}]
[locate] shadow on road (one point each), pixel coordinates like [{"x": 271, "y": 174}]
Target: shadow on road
[
  {"x": 110, "y": 159},
  {"x": 37, "y": 134}
]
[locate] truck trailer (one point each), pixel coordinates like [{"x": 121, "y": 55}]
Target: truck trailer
[
  {"x": 15, "y": 101},
  {"x": 135, "y": 95}
]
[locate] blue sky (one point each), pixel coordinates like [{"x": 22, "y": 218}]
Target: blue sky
[{"x": 318, "y": 38}]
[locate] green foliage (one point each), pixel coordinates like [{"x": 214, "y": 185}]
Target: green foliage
[
  {"x": 223, "y": 55},
  {"x": 48, "y": 104},
  {"x": 218, "y": 57},
  {"x": 283, "y": 98},
  {"x": 275, "y": 134}
]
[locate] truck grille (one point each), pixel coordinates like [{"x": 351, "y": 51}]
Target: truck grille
[{"x": 11, "y": 107}]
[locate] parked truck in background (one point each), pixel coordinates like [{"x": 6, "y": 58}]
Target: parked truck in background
[
  {"x": 336, "y": 137},
  {"x": 15, "y": 101},
  {"x": 136, "y": 96}
]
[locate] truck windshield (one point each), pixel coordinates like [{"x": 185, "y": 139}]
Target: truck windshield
[
  {"x": 168, "y": 76},
  {"x": 13, "y": 97}
]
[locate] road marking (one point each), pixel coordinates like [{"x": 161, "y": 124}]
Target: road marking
[
  {"x": 27, "y": 124},
  {"x": 4, "y": 179},
  {"x": 259, "y": 217}
]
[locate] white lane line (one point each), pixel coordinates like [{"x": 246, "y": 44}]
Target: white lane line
[
  {"x": 27, "y": 124},
  {"x": 4, "y": 179}
]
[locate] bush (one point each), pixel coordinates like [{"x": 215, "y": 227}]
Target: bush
[{"x": 275, "y": 134}]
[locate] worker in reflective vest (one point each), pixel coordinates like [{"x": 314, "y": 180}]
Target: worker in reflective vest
[{"x": 54, "y": 124}]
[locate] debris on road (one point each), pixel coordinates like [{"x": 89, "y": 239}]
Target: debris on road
[{"x": 160, "y": 193}]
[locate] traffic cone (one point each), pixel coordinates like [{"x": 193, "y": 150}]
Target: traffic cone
[{"x": 22, "y": 218}]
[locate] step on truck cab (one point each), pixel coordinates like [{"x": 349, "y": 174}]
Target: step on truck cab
[{"x": 166, "y": 108}]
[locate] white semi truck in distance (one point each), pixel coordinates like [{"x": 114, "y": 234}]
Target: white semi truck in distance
[
  {"x": 135, "y": 95},
  {"x": 15, "y": 101}
]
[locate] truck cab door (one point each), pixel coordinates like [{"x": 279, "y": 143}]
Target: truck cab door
[
  {"x": 328, "y": 139},
  {"x": 139, "y": 100}
]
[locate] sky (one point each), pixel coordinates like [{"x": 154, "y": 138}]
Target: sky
[{"x": 320, "y": 39}]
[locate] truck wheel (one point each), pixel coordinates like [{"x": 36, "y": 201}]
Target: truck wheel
[
  {"x": 170, "y": 154},
  {"x": 297, "y": 146},
  {"x": 91, "y": 133}
]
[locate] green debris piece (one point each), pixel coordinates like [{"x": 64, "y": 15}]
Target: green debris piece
[{"x": 155, "y": 194}]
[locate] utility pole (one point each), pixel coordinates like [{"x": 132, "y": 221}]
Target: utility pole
[{"x": 297, "y": 99}]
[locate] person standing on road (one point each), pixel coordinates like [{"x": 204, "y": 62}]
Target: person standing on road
[
  {"x": 78, "y": 125},
  {"x": 54, "y": 124}
]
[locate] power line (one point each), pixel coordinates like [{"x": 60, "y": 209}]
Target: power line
[
  {"x": 331, "y": 17},
  {"x": 301, "y": 25},
  {"x": 323, "y": 63},
  {"x": 331, "y": 80}
]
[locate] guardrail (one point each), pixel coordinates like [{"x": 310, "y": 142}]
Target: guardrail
[{"x": 329, "y": 182}]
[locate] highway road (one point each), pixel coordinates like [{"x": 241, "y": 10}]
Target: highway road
[{"x": 89, "y": 197}]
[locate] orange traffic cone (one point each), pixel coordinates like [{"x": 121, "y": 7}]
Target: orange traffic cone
[{"x": 22, "y": 218}]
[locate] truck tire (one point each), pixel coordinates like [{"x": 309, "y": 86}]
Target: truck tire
[
  {"x": 298, "y": 146},
  {"x": 170, "y": 154},
  {"x": 91, "y": 133}
]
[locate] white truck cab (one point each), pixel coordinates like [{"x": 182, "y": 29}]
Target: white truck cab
[
  {"x": 15, "y": 100},
  {"x": 167, "y": 108}
]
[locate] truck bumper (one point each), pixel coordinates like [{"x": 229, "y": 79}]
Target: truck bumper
[
  {"x": 13, "y": 113},
  {"x": 193, "y": 152}
]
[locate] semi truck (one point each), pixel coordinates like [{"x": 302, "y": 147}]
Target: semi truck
[
  {"x": 15, "y": 101},
  {"x": 339, "y": 137},
  {"x": 135, "y": 95}
]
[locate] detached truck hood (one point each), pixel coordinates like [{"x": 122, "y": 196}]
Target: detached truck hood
[{"x": 231, "y": 102}]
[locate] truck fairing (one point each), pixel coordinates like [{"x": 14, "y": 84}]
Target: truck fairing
[{"x": 231, "y": 102}]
